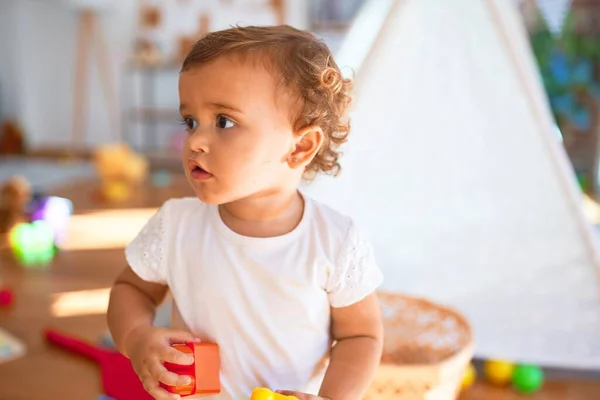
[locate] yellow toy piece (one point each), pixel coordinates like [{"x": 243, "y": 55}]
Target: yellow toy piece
[
  {"x": 266, "y": 394},
  {"x": 116, "y": 192},
  {"x": 469, "y": 377},
  {"x": 498, "y": 372}
]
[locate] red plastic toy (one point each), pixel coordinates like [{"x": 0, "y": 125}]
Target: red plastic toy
[
  {"x": 204, "y": 372},
  {"x": 119, "y": 380},
  {"x": 6, "y": 297}
]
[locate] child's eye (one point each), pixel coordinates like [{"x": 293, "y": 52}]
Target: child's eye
[
  {"x": 224, "y": 123},
  {"x": 190, "y": 123}
]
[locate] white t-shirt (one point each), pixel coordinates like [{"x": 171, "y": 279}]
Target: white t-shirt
[{"x": 265, "y": 301}]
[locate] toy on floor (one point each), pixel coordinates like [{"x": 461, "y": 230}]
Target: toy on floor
[
  {"x": 56, "y": 212},
  {"x": 524, "y": 378},
  {"x": 6, "y": 297},
  {"x": 469, "y": 377},
  {"x": 41, "y": 230},
  {"x": 32, "y": 243},
  {"x": 15, "y": 195},
  {"x": 120, "y": 169},
  {"x": 266, "y": 394},
  {"x": 498, "y": 372},
  {"x": 11, "y": 348},
  {"x": 35, "y": 225},
  {"x": 204, "y": 372},
  {"x": 119, "y": 380},
  {"x": 527, "y": 378}
]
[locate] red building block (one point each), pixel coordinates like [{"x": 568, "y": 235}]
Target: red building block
[{"x": 205, "y": 371}]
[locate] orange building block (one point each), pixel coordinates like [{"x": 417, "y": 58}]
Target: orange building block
[{"x": 205, "y": 371}]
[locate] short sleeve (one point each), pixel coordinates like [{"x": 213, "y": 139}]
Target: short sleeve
[
  {"x": 356, "y": 273},
  {"x": 146, "y": 253}
]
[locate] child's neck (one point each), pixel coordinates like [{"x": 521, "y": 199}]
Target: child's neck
[{"x": 270, "y": 215}]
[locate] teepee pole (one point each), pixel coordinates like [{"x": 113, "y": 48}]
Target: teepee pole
[
  {"x": 383, "y": 31},
  {"x": 107, "y": 82},
  {"x": 80, "y": 96}
]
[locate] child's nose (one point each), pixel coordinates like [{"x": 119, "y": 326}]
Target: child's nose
[{"x": 198, "y": 142}]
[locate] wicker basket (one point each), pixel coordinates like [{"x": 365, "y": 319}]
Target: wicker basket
[{"x": 427, "y": 348}]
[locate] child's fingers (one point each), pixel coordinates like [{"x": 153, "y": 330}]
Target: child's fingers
[
  {"x": 174, "y": 356},
  {"x": 160, "y": 373},
  {"x": 292, "y": 394},
  {"x": 161, "y": 394},
  {"x": 153, "y": 388}
]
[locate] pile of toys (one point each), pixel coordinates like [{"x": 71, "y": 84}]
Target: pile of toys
[
  {"x": 524, "y": 378},
  {"x": 36, "y": 225}
]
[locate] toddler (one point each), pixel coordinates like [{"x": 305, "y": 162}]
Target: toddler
[{"x": 283, "y": 284}]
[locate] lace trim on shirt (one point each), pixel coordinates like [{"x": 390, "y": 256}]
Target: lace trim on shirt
[
  {"x": 356, "y": 273},
  {"x": 146, "y": 253}
]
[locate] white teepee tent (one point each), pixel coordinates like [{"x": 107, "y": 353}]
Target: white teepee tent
[{"x": 455, "y": 171}]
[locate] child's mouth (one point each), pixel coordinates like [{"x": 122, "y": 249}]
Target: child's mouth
[{"x": 199, "y": 174}]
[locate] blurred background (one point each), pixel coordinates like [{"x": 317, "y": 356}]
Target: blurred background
[{"x": 473, "y": 164}]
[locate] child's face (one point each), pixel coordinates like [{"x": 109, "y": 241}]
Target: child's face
[{"x": 240, "y": 138}]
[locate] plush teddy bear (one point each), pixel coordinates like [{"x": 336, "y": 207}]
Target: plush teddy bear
[{"x": 119, "y": 167}]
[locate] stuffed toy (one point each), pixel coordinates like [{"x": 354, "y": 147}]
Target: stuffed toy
[
  {"x": 15, "y": 196},
  {"x": 120, "y": 169}
]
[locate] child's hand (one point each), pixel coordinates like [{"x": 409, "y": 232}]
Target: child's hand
[
  {"x": 148, "y": 349},
  {"x": 301, "y": 396}
]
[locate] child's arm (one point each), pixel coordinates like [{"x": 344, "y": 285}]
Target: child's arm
[
  {"x": 358, "y": 331},
  {"x": 354, "y": 359},
  {"x": 132, "y": 306},
  {"x": 131, "y": 312}
]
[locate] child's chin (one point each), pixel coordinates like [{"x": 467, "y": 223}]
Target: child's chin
[
  {"x": 208, "y": 199},
  {"x": 211, "y": 198}
]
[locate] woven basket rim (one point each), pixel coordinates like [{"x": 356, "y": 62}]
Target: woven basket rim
[{"x": 466, "y": 349}]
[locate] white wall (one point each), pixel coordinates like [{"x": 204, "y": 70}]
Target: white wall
[
  {"x": 8, "y": 90},
  {"x": 37, "y": 65},
  {"x": 39, "y": 74}
]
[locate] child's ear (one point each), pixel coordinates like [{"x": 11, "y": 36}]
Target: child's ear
[{"x": 308, "y": 142}]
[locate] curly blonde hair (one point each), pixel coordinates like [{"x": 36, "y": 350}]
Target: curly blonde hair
[{"x": 302, "y": 63}]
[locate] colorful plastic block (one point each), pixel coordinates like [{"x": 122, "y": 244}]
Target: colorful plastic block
[
  {"x": 33, "y": 243},
  {"x": 266, "y": 394},
  {"x": 56, "y": 212},
  {"x": 204, "y": 372}
]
